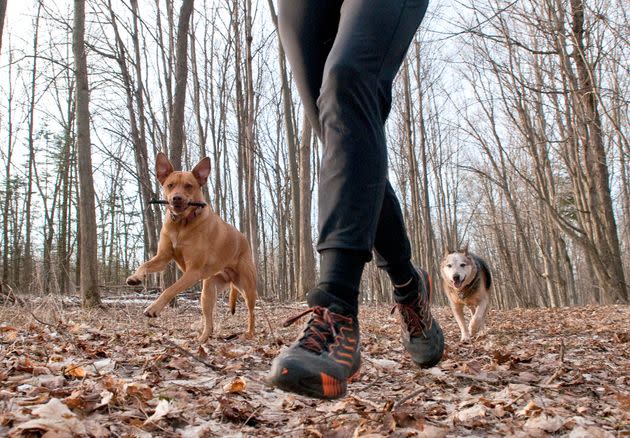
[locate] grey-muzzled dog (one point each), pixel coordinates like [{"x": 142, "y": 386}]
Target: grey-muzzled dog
[{"x": 467, "y": 282}]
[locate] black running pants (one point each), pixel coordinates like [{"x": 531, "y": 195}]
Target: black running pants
[{"x": 344, "y": 56}]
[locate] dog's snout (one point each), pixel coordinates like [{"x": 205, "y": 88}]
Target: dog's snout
[
  {"x": 456, "y": 277},
  {"x": 177, "y": 199}
]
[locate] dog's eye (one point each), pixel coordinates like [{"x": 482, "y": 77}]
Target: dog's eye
[
  {"x": 188, "y": 186},
  {"x": 170, "y": 186},
  {"x": 463, "y": 265},
  {"x": 449, "y": 266}
]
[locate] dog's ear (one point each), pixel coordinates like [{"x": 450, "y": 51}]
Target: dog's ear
[
  {"x": 202, "y": 171},
  {"x": 163, "y": 167},
  {"x": 465, "y": 250},
  {"x": 447, "y": 251}
]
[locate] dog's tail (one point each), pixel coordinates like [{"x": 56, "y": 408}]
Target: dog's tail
[{"x": 232, "y": 298}]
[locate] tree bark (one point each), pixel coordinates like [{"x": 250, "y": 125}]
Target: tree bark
[
  {"x": 3, "y": 10},
  {"x": 306, "y": 279},
  {"x": 6, "y": 207},
  {"x": 590, "y": 130},
  {"x": 88, "y": 241},
  {"x": 181, "y": 78},
  {"x": 28, "y": 250},
  {"x": 137, "y": 123}
]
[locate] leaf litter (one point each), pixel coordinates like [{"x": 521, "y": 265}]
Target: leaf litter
[{"x": 111, "y": 372}]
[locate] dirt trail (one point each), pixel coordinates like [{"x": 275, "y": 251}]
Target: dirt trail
[{"x": 109, "y": 373}]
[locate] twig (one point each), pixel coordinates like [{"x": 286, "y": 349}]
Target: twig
[
  {"x": 55, "y": 327},
  {"x": 517, "y": 398},
  {"x": 43, "y": 322},
  {"x": 407, "y": 398},
  {"x": 555, "y": 375},
  {"x": 193, "y": 356},
  {"x": 250, "y": 417},
  {"x": 478, "y": 378},
  {"x": 561, "y": 350},
  {"x": 271, "y": 331},
  {"x": 328, "y": 417}
]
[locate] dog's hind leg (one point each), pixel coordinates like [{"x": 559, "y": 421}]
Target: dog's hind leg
[
  {"x": 246, "y": 284},
  {"x": 250, "y": 301},
  {"x": 211, "y": 287},
  {"x": 458, "y": 312}
]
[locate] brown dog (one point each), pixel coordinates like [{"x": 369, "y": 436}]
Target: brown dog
[
  {"x": 467, "y": 282},
  {"x": 203, "y": 246}
]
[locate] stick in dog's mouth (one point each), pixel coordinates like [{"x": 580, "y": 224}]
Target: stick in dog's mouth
[{"x": 165, "y": 202}]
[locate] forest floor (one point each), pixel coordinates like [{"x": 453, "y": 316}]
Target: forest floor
[{"x": 112, "y": 372}]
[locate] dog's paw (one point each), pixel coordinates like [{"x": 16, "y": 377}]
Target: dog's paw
[
  {"x": 152, "y": 311},
  {"x": 247, "y": 336},
  {"x": 133, "y": 280},
  {"x": 204, "y": 337},
  {"x": 464, "y": 339}
]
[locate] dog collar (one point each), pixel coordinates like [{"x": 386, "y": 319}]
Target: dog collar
[{"x": 192, "y": 215}]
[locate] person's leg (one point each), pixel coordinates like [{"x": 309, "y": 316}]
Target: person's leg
[
  {"x": 327, "y": 352},
  {"x": 358, "y": 210},
  {"x": 307, "y": 31},
  {"x": 391, "y": 244},
  {"x": 354, "y": 99},
  {"x": 354, "y": 102}
]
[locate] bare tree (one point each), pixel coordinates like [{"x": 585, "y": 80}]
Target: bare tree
[
  {"x": 306, "y": 278},
  {"x": 3, "y": 10},
  {"x": 8, "y": 190},
  {"x": 88, "y": 245},
  {"x": 181, "y": 77},
  {"x": 28, "y": 250}
]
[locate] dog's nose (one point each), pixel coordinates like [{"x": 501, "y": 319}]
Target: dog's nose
[
  {"x": 456, "y": 277},
  {"x": 177, "y": 199}
]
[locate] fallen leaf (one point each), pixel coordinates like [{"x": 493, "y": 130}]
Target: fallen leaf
[
  {"x": 55, "y": 419},
  {"x": 590, "y": 432},
  {"x": 624, "y": 401},
  {"x": 530, "y": 409},
  {"x": 548, "y": 423},
  {"x": 74, "y": 371},
  {"x": 163, "y": 408},
  {"x": 466, "y": 416},
  {"x": 240, "y": 413},
  {"x": 104, "y": 366},
  {"x": 141, "y": 391},
  {"x": 9, "y": 335},
  {"x": 385, "y": 364},
  {"x": 236, "y": 386},
  {"x": 527, "y": 377}
]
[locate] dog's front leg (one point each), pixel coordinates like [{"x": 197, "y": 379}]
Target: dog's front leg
[
  {"x": 156, "y": 264},
  {"x": 188, "y": 279},
  {"x": 458, "y": 312},
  {"x": 477, "y": 320}
]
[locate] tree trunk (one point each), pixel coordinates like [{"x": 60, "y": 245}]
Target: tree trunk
[
  {"x": 137, "y": 125},
  {"x": 430, "y": 257},
  {"x": 306, "y": 279},
  {"x": 181, "y": 77},
  {"x": 611, "y": 277},
  {"x": 89, "y": 262},
  {"x": 28, "y": 250},
  {"x": 6, "y": 207},
  {"x": 250, "y": 140},
  {"x": 3, "y": 9}
]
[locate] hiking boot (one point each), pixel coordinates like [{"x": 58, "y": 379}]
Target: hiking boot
[
  {"x": 421, "y": 334},
  {"x": 320, "y": 362}
]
